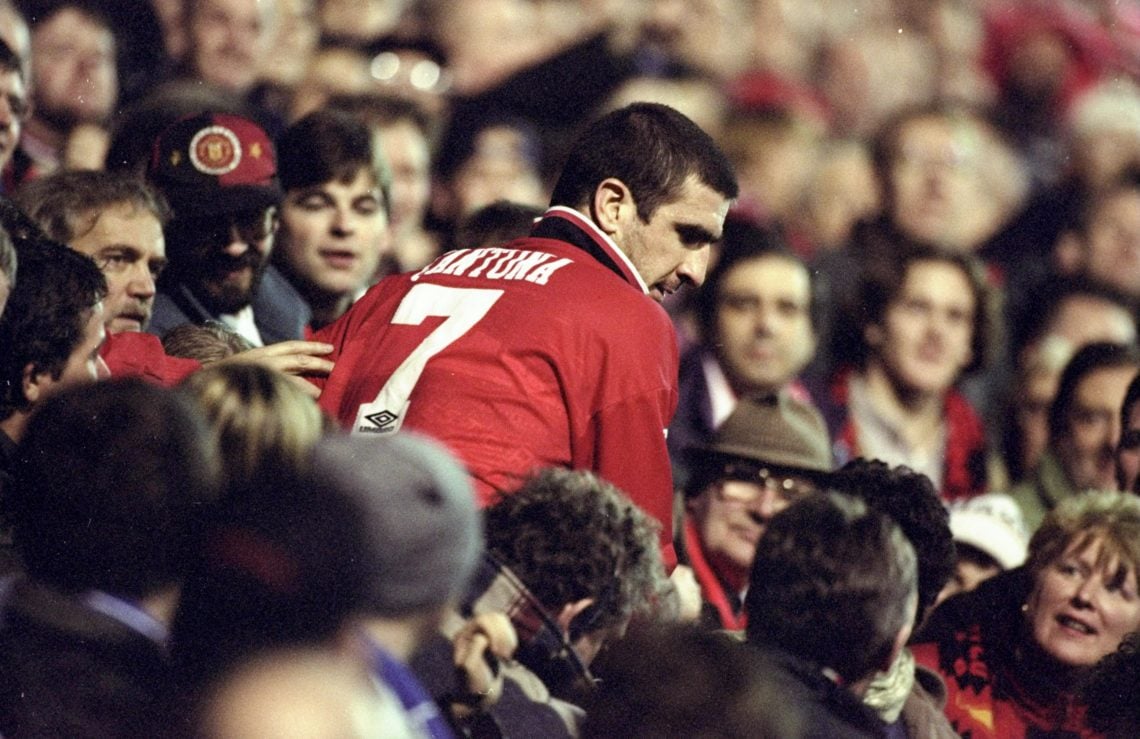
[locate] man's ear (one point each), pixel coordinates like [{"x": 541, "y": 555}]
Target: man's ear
[
  {"x": 569, "y": 611},
  {"x": 35, "y": 384},
  {"x": 612, "y": 205}
]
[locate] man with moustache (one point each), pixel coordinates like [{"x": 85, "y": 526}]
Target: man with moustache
[
  {"x": 219, "y": 173},
  {"x": 118, "y": 220}
]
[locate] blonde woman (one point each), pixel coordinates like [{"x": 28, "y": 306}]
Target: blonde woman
[{"x": 260, "y": 418}]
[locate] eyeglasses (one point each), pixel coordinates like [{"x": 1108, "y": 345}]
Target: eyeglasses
[
  {"x": 389, "y": 68},
  {"x": 788, "y": 487},
  {"x": 250, "y": 227}
]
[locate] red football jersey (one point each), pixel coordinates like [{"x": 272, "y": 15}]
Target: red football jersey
[{"x": 537, "y": 353}]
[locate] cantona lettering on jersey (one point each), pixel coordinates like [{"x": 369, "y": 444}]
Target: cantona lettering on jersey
[{"x": 496, "y": 263}]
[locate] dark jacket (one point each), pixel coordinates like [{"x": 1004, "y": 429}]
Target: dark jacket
[
  {"x": 279, "y": 310},
  {"x": 67, "y": 670},
  {"x": 815, "y": 706}
]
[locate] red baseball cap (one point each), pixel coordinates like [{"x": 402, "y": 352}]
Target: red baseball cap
[{"x": 215, "y": 163}]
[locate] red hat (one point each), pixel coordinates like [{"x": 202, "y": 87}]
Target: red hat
[{"x": 215, "y": 163}]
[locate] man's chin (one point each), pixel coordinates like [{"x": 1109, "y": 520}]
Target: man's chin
[
  {"x": 233, "y": 292},
  {"x": 124, "y": 324}
]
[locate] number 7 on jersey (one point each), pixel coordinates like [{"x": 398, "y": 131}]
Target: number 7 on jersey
[{"x": 462, "y": 307}]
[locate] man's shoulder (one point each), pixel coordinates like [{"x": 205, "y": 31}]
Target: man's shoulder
[
  {"x": 168, "y": 313},
  {"x": 816, "y": 705},
  {"x": 279, "y": 310},
  {"x": 52, "y": 646}
]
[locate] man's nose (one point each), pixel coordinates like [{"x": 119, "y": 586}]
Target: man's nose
[
  {"x": 142, "y": 283},
  {"x": 769, "y": 503},
  {"x": 237, "y": 245},
  {"x": 342, "y": 224},
  {"x": 692, "y": 269}
]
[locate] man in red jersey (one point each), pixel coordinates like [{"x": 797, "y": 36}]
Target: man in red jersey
[{"x": 547, "y": 351}]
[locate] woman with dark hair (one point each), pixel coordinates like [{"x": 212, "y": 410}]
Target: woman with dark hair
[
  {"x": 1014, "y": 651},
  {"x": 922, "y": 323}
]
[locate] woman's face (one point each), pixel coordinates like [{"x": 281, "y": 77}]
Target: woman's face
[
  {"x": 1079, "y": 611},
  {"x": 924, "y": 340}
]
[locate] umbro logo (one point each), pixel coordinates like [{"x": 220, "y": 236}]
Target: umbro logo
[{"x": 381, "y": 422}]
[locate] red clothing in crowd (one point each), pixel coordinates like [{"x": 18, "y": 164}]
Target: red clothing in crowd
[
  {"x": 544, "y": 352},
  {"x": 964, "y": 471},
  {"x": 139, "y": 354}
]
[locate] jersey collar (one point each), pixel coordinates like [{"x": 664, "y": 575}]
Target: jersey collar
[{"x": 589, "y": 237}]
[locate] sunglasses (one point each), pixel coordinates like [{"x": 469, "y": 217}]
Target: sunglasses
[{"x": 250, "y": 226}]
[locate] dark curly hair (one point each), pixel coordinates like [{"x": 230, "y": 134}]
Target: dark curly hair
[
  {"x": 46, "y": 315},
  {"x": 910, "y": 499},
  {"x": 569, "y": 535}
]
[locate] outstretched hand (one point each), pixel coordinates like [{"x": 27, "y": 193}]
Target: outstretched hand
[{"x": 294, "y": 358}]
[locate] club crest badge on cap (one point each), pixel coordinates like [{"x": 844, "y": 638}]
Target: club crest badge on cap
[
  {"x": 212, "y": 163},
  {"x": 215, "y": 150}
]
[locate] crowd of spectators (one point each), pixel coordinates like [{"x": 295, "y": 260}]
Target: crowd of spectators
[{"x": 900, "y": 413}]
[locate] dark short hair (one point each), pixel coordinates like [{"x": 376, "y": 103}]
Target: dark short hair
[
  {"x": 911, "y": 501},
  {"x": 495, "y": 223},
  {"x": 882, "y": 280},
  {"x": 1037, "y": 319},
  {"x": 745, "y": 242},
  {"x": 569, "y": 535},
  {"x": 109, "y": 482},
  {"x": 36, "y": 12},
  {"x": 1088, "y": 359},
  {"x": 650, "y": 147},
  {"x": 61, "y": 203},
  {"x": 279, "y": 564},
  {"x": 326, "y": 146},
  {"x": 676, "y": 681},
  {"x": 46, "y": 315},
  {"x": 1111, "y": 688},
  {"x": 9, "y": 60},
  {"x": 831, "y": 584}
]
